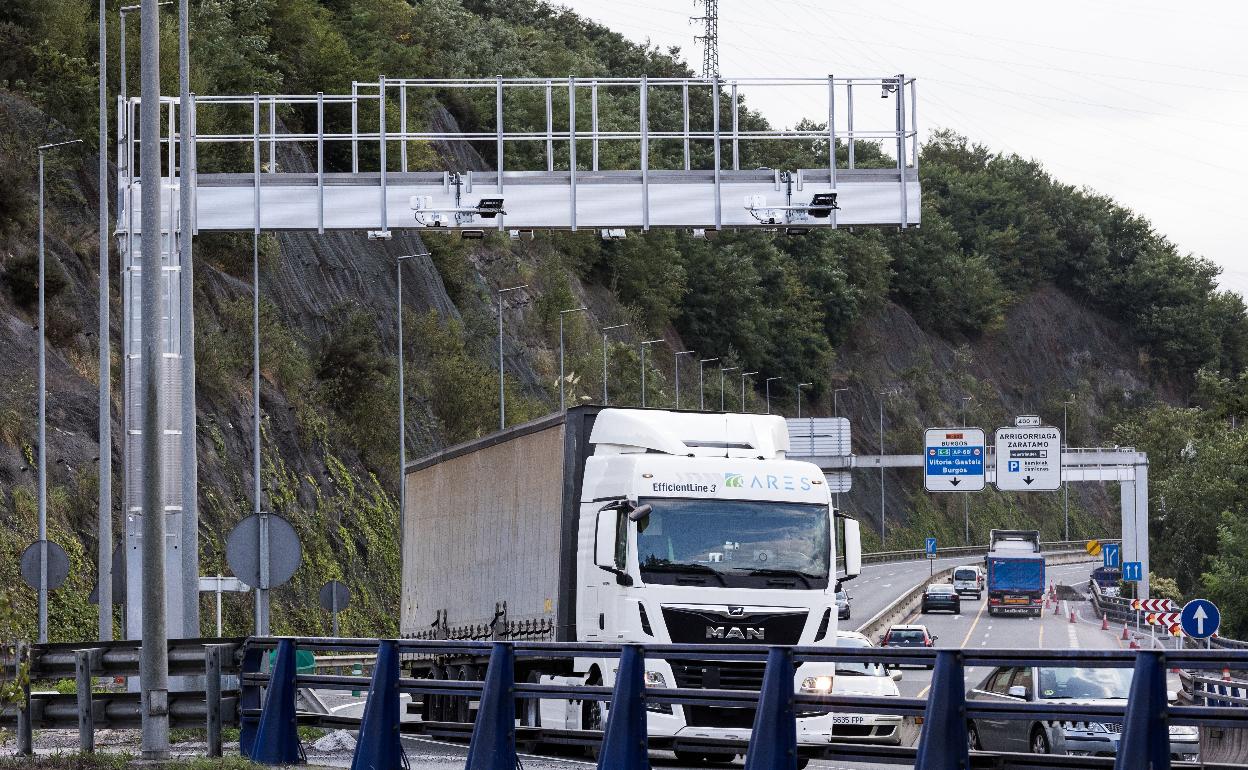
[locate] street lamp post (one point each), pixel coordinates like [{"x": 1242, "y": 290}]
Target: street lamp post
[
  {"x": 502, "y": 389},
  {"x": 744, "y": 376},
  {"x": 767, "y": 386},
  {"x": 643, "y": 367},
  {"x": 836, "y": 413},
  {"x": 722, "y": 370},
  {"x": 43, "y": 414},
  {"x": 702, "y": 390},
  {"x": 562, "y": 313},
  {"x": 676, "y": 357},
  {"x": 604, "y": 358},
  {"x": 966, "y": 499},
  {"x": 798, "y": 390},
  {"x": 1065, "y": 487},
  {"x": 883, "y": 394}
]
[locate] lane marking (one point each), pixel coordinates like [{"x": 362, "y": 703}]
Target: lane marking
[{"x": 974, "y": 623}]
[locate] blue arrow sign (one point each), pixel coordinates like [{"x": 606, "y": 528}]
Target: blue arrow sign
[
  {"x": 930, "y": 545},
  {"x": 1133, "y": 571},
  {"x": 1200, "y": 618},
  {"x": 1111, "y": 553}
]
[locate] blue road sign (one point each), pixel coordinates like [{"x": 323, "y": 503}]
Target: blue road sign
[
  {"x": 1200, "y": 618},
  {"x": 1133, "y": 571},
  {"x": 1111, "y": 552},
  {"x": 953, "y": 460},
  {"x": 930, "y": 545}
]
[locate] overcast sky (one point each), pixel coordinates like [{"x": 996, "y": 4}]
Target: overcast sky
[{"x": 1144, "y": 100}]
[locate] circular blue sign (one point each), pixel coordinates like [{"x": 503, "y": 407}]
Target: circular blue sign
[{"x": 1200, "y": 618}]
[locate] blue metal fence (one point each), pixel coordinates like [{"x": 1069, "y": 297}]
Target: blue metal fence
[{"x": 269, "y": 730}]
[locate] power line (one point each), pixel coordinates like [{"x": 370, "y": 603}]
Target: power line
[{"x": 709, "y": 37}]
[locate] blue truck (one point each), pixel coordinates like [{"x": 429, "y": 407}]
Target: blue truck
[{"x": 1015, "y": 568}]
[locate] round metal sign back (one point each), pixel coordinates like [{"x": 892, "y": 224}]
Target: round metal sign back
[
  {"x": 242, "y": 550},
  {"x": 335, "y": 596},
  {"x": 58, "y": 565}
]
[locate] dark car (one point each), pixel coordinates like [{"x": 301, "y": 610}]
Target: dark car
[
  {"x": 908, "y": 636},
  {"x": 941, "y": 596},
  {"x": 842, "y": 605}
]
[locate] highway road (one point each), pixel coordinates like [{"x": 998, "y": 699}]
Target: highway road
[{"x": 879, "y": 585}]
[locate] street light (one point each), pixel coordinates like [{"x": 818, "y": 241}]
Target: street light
[
  {"x": 701, "y": 389},
  {"x": 402, "y": 397},
  {"x": 836, "y": 413},
  {"x": 767, "y": 385},
  {"x": 798, "y": 389},
  {"x": 502, "y": 390},
  {"x": 43, "y": 414},
  {"x": 643, "y": 367},
  {"x": 966, "y": 499},
  {"x": 883, "y": 394},
  {"x": 723, "y": 369},
  {"x": 677, "y": 356},
  {"x": 562, "y": 313},
  {"x": 604, "y": 358},
  {"x": 744, "y": 375},
  {"x": 1065, "y": 488}
]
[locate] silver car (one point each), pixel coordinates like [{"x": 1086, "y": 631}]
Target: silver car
[{"x": 1053, "y": 685}]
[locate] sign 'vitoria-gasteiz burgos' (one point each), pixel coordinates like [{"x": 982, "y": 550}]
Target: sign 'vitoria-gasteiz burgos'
[{"x": 953, "y": 460}]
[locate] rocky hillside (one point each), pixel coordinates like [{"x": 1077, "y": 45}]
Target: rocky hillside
[{"x": 1018, "y": 291}]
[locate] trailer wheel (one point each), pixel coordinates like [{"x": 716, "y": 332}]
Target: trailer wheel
[
  {"x": 530, "y": 710},
  {"x": 460, "y": 703}
]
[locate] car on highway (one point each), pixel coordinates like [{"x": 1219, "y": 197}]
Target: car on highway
[
  {"x": 968, "y": 579},
  {"x": 941, "y": 596},
  {"x": 858, "y": 678},
  {"x": 842, "y": 605},
  {"x": 1054, "y": 686},
  {"x": 1108, "y": 579},
  {"x": 908, "y": 636}
]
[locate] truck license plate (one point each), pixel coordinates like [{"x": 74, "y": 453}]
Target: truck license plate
[
  {"x": 839, "y": 719},
  {"x": 1016, "y": 600}
]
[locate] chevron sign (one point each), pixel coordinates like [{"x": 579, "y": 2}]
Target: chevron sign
[
  {"x": 1167, "y": 619},
  {"x": 1152, "y": 605}
]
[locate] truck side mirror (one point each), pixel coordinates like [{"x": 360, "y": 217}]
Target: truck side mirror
[
  {"x": 604, "y": 540},
  {"x": 853, "y": 548},
  {"x": 640, "y": 512}
]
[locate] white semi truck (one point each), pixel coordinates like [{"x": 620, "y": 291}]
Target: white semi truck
[{"x": 627, "y": 525}]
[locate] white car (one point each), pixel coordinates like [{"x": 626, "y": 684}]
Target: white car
[
  {"x": 864, "y": 679},
  {"x": 968, "y": 579}
]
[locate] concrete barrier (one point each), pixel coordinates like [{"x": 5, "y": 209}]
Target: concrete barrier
[{"x": 908, "y": 602}]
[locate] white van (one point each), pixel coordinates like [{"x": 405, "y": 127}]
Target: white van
[{"x": 969, "y": 579}]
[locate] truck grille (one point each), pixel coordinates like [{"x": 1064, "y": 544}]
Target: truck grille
[
  {"x": 697, "y": 626},
  {"x": 718, "y": 676}
]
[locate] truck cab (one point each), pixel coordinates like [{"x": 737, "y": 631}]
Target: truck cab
[{"x": 696, "y": 529}]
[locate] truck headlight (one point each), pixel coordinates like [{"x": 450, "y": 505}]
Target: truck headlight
[
  {"x": 820, "y": 685},
  {"x": 1184, "y": 731},
  {"x": 655, "y": 679}
]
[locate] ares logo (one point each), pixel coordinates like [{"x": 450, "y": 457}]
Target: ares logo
[
  {"x": 734, "y": 632},
  {"x": 734, "y": 480}
]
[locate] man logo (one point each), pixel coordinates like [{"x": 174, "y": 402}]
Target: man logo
[
  {"x": 734, "y": 632},
  {"x": 735, "y": 612},
  {"x": 734, "y": 480}
]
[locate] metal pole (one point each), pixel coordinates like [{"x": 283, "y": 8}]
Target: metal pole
[
  {"x": 604, "y": 358},
  {"x": 882, "y": 471},
  {"x": 262, "y": 590},
  {"x": 744, "y": 375},
  {"x": 643, "y": 367},
  {"x": 43, "y": 432},
  {"x": 398, "y": 269},
  {"x": 154, "y": 665},
  {"x": 1065, "y": 486},
  {"x": 836, "y": 413},
  {"x": 677, "y": 362},
  {"x": 799, "y": 387},
  {"x": 721, "y": 384},
  {"x": 767, "y": 386},
  {"x": 562, "y": 378},
  {"x": 502, "y": 392},
  {"x": 966, "y": 499},
  {"x": 186, "y": 341},
  {"x": 105, "y": 506},
  {"x": 701, "y": 387}
]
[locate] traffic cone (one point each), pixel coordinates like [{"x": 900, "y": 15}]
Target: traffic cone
[
  {"x": 1104, "y": 622},
  {"x": 1134, "y": 645},
  {"x": 1226, "y": 673},
  {"x": 1125, "y": 634},
  {"x": 1056, "y": 608},
  {"x": 1072, "y": 615}
]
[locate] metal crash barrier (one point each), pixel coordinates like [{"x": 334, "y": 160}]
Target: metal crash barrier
[{"x": 269, "y": 719}]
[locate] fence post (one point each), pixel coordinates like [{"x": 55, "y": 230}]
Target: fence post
[
  {"x": 773, "y": 741},
  {"x": 379, "y": 746},
  {"x": 277, "y": 737},
  {"x": 943, "y": 741},
  {"x": 493, "y": 744},
  {"x": 249, "y": 699},
  {"x": 25, "y": 731},
  {"x": 1145, "y": 737},
  {"x": 212, "y": 697},
  {"x": 82, "y": 678},
  {"x": 624, "y": 745}
]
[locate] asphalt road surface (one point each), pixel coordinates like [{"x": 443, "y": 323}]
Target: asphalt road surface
[{"x": 879, "y": 585}]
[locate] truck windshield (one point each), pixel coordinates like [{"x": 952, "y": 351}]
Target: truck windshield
[{"x": 734, "y": 542}]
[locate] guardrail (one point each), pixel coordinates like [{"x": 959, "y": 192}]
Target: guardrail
[
  {"x": 969, "y": 550},
  {"x": 269, "y": 720}
]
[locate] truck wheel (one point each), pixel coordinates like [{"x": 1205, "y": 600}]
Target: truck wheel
[
  {"x": 531, "y": 708},
  {"x": 460, "y": 707}
]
